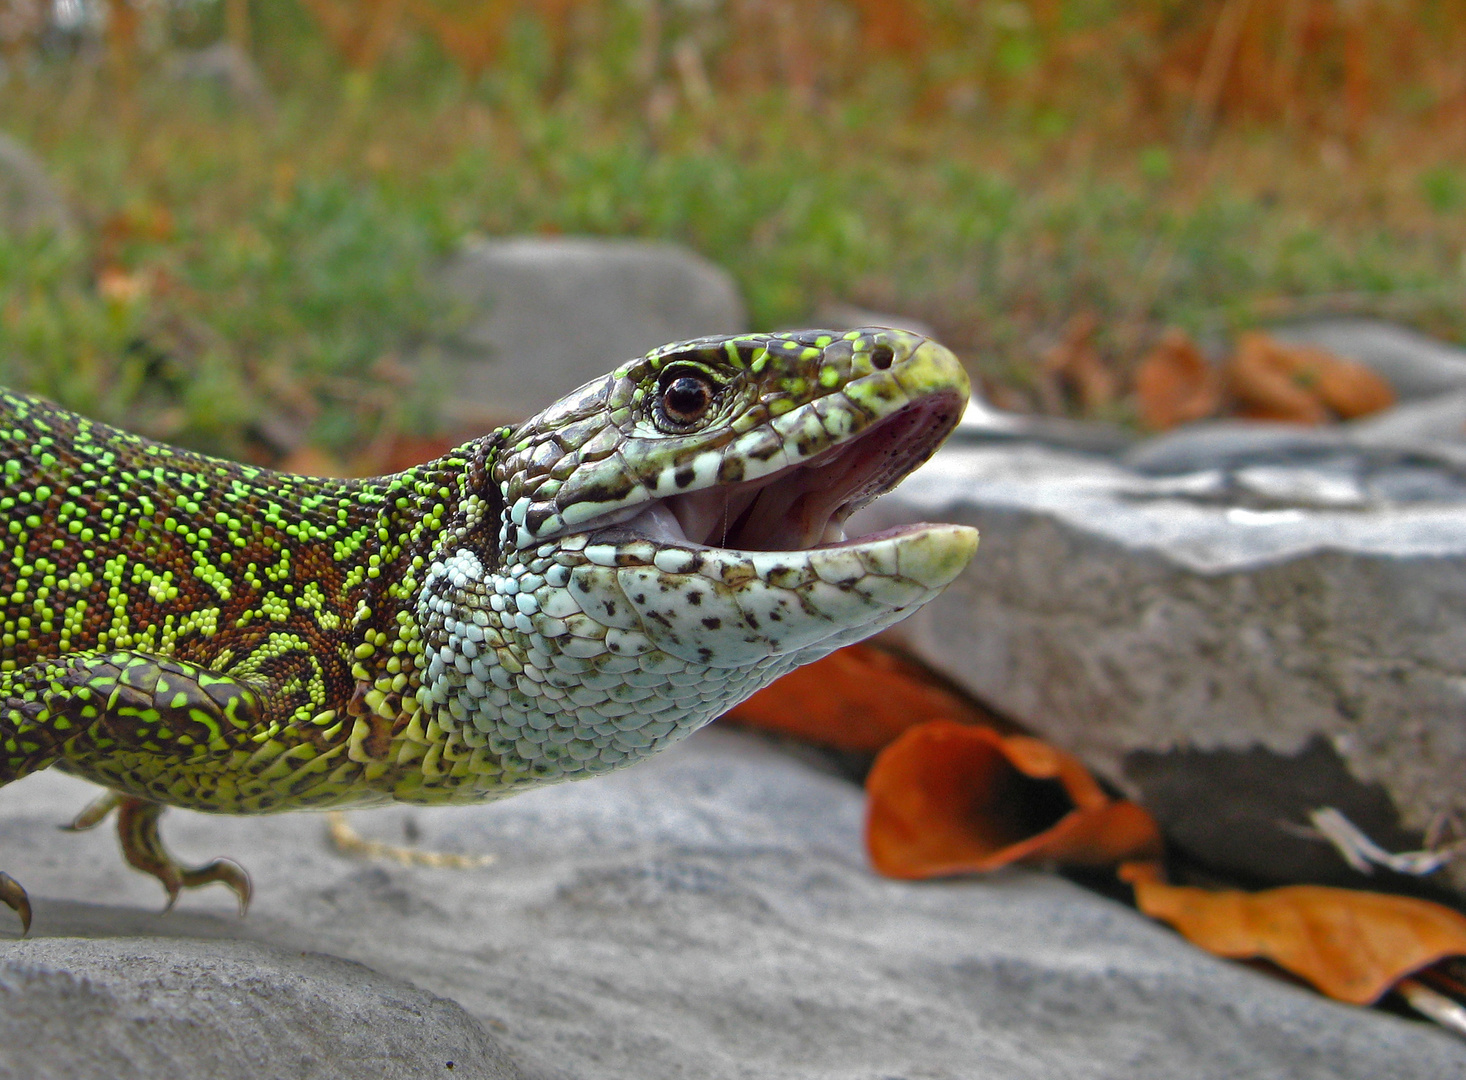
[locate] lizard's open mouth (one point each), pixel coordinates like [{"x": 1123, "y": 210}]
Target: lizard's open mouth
[{"x": 805, "y": 505}]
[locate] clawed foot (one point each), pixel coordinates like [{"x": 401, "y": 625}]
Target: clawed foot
[
  {"x": 14, "y": 897},
  {"x": 142, "y": 847}
]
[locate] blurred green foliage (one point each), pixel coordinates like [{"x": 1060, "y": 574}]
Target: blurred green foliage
[{"x": 243, "y": 267}]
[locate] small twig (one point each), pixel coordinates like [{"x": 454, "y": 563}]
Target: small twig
[
  {"x": 1445, "y": 1011},
  {"x": 1363, "y": 854}
]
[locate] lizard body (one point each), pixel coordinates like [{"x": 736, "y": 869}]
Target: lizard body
[{"x": 548, "y": 602}]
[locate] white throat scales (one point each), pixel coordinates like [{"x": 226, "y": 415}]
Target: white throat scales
[{"x": 578, "y": 657}]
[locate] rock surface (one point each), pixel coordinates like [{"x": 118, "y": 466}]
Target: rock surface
[
  {"x": 118, "y": 1008},
  {"x": 546, "y": 314},
  {"x": 29, "y": 198},
  {"x": 1236, "y": 622},
  {"x": 229, "y": 69},
  {"x": 707, "y": 914}
]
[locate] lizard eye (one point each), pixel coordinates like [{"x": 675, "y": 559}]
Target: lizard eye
[{"x": 685, "y": 399}]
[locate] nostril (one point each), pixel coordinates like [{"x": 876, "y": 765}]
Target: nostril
[{"x": 881, "y": 357}]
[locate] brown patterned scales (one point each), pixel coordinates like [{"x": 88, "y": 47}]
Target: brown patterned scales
[{"x": 546, "y": 603}]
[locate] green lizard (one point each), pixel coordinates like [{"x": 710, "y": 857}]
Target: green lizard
[{"x": 546, "y": 603}]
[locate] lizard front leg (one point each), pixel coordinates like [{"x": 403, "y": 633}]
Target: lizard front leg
[{"x": 151, "y": 727}]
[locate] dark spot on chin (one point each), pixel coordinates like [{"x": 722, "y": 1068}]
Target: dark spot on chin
[
  {"x": 640, "y": 598},
  {"x": 695, "y": 599},
  {"x": 684, "y": 476},
  {"x": 712, "y": 622}
]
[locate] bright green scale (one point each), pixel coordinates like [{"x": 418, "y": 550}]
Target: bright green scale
[{"x": 546, "y": 603}]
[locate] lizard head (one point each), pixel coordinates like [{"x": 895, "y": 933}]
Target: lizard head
[
  {"x": 758, "y": 442},
  {"x": 738, "y": 460},
  {"x": 680, "y": 523}
]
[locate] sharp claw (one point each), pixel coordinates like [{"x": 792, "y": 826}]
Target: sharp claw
[
  {"x": 226, "y": 872},
  {"x": 14, "y": 897},
  {"x": 142, "y": 847}
]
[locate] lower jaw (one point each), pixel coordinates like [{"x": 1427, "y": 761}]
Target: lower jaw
[{"x": 728, "y": 608}]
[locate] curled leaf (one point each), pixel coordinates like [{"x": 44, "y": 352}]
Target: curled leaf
[
  {"x": 857, "y": 698},
  {"x": 1353, "y": 946},
  {"x": 948, "y": 798},
  {"x": 1276, "y": 381},
  {"x": 1175, "y": 384}
]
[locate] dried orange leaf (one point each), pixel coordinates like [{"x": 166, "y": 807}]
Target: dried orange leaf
[
  {"x": 1276, "y": 381},
  {"x": 1175, "y": 384},
  {"x": 858, "y": 698},
  {"x": 948, "y": 798},
  {"x": 1269, "y": 387},
  {"x": 1350, "y": 389},
  {"x": 1353, "y": 946}
]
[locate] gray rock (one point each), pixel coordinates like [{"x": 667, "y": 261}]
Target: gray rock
[
  {"x": 709, "y": 914},
  {"x": 981, "y": 423},
  {"x": 1421, "y": 424},
  {"x": 29, "y": 198},
  {"x": 1191, "y": 635},
  {"x": 1415, "y": 365},
  {"x": 1394, "y": 454},
  {"x": 117, "y": 1008},
  {"x": 229, "y": 69},
  {"x": 546, "y": 315},
  {"x": 1220, "y": 444}
]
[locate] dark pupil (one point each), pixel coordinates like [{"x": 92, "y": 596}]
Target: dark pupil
[{"x": 686, "y": 398}]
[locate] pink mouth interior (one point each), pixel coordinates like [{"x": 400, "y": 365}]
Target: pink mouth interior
[{"x": 805, "y": 505}]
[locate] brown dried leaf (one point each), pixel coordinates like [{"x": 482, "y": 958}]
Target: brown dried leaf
[
  {"x": 1353, "y": 946},
  {"x": 1078, "y": 366},
  {"x": 857, "y": 698},
  {"x": 1268, "y": 386},
  {"x": 1175, "y": 384},
  {"x": 1275, "y": 381},
  {"x": 948, "y": 798},
  {"x": 1350, "y": 389}
]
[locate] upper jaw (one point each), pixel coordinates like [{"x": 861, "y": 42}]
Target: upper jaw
[{"x": 805, "y": 504}]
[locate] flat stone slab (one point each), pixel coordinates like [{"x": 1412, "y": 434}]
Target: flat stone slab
[
  {"x": 545, "y": 315},
  {"x": 118, "y": 1008},
  {"x": 710, "y": 914},
  {"x": 1250, "y": 624}
]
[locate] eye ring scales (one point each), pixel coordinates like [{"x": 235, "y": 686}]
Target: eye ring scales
[{"x": 686, "y": 398}]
